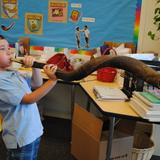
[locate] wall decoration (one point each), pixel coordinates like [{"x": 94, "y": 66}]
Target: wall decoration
[
  {"x": 33, "y": 23},
  {"x": 75, "y": 14},
  {"x": 57, "y": 11},
  {"x": 88, "y": 19},
  {"x": 9, "y": 8},
  {"x": 106, "y": 20},
  {"x": 6, "y": 28},
  {"x": 86, "y": 36},
  {"x": 137, "y": 21}
]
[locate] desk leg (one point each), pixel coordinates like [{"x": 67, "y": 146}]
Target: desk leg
[
  {"x": 88, "y": 104},
  {"x": 110, "y": 137},
  {"x": 72, "y": 98}
]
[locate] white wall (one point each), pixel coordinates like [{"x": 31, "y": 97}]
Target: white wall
[{"x": 145, "y": 44}]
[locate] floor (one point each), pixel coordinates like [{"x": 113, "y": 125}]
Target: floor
[{"x": 55, "y": 143}]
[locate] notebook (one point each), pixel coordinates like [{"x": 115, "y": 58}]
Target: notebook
[
  {"x": 109, "y": 93},
  {"x": 146, "y": 100},
  {"x": 143, "y": 112},
  {"x": 151, "y": 97},
  {"x": 148, "y": 107}
]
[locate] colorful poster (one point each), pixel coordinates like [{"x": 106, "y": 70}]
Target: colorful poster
[
  {"x": 9, "y": 8},
  {"x": 75, "y": 14},
  {"x": 33, "y": 23},
  {"x": 57, "y": 11}
]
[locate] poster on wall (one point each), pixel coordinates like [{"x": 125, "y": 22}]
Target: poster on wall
[
  {"x": 76, "y": 12},
  {"x": 57, "y": 11},
  {"x": 79, "y": 36},
  {"x": 33, "y": 23},
  {"x": 9, "y": 8}
]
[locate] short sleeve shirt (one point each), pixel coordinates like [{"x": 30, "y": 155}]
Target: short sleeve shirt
[{"x": 21, "y": 122}]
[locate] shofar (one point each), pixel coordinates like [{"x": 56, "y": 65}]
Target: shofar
[{"x": 134, "y": 66}]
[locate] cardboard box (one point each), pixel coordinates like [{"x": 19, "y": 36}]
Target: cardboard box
[{"x": 90, "y": 143}]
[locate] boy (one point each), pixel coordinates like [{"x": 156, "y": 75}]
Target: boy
[
  {"x": 78, "y": 32},
  {"x": 22, "y": 126},
  {"x": 86, "y": 35}
]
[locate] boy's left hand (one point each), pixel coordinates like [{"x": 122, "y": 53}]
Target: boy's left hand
[{"x": 28, "y": 61}]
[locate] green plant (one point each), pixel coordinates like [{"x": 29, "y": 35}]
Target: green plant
[{"x": 156, "y": 21}]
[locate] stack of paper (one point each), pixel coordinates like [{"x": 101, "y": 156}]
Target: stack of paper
[
  {"x": 146, "y": 105},
  {"x": 108, "y": 93}
]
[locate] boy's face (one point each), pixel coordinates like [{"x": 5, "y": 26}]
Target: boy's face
[{"x": 5, "y": 54}]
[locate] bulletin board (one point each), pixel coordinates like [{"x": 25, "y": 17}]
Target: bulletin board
[{"x": 55, "y": 22}]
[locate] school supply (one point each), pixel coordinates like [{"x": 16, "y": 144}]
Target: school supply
[
  {"x": 146, "y": 105},
  {"x": 108, "y": 93}
]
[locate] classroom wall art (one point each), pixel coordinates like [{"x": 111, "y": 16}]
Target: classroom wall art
[
  {"x": 106, "y": 20},
  {"x": 33, "y": 23},
  {"x": 137, "y": 21},
  {"x": 57, "y": 11},
  {"x": 9, "y": 8}
]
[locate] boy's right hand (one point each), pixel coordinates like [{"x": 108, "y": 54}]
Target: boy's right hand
[
  {"x": 28, "y": 61},
  {"x": 50, "y": 70}
]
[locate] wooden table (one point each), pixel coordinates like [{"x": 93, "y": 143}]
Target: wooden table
[{"x": 119, "y": 108}]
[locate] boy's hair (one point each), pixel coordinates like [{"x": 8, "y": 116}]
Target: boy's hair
[
  {"x": 77, "y": 28},
  {"x": 1, "y": 37}
]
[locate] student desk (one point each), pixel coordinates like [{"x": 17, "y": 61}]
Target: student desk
[
  {"x": 119, "y": 108},
  {"x": 111, "y": 109}
]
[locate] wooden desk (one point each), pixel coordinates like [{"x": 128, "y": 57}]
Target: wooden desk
[{"x": 118, "y": 108}]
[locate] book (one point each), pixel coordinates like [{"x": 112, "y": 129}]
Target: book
[
  {"x": 151, "y": 97},
  {"x": 145, "y": 100},
  {"x": 148, "y": 107},
  {"x": 145, "y": 110},
  {"x": 151, "y": 116},
  {"x": 109, "y": 93}
]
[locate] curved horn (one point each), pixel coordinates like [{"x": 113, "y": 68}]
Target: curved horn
[{"x": 134, "y": 66}]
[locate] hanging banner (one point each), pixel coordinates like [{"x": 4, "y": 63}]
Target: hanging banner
[
  {"x": 57, "y": 11},
  {"x": 9, "y": 8},
  {"x": 33, "y": 23}
]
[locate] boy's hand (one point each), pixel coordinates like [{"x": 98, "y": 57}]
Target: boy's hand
[
  {"x": 50, "y": 70},
  {"x": 28, "y": 61}
]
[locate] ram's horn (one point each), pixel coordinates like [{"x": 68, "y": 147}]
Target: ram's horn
[{"x": 134, "y": 66}]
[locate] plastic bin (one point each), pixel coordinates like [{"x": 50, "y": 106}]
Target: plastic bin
[
  {"x": 106, "y": 74},
  {"x": 143, "y": 148}
]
